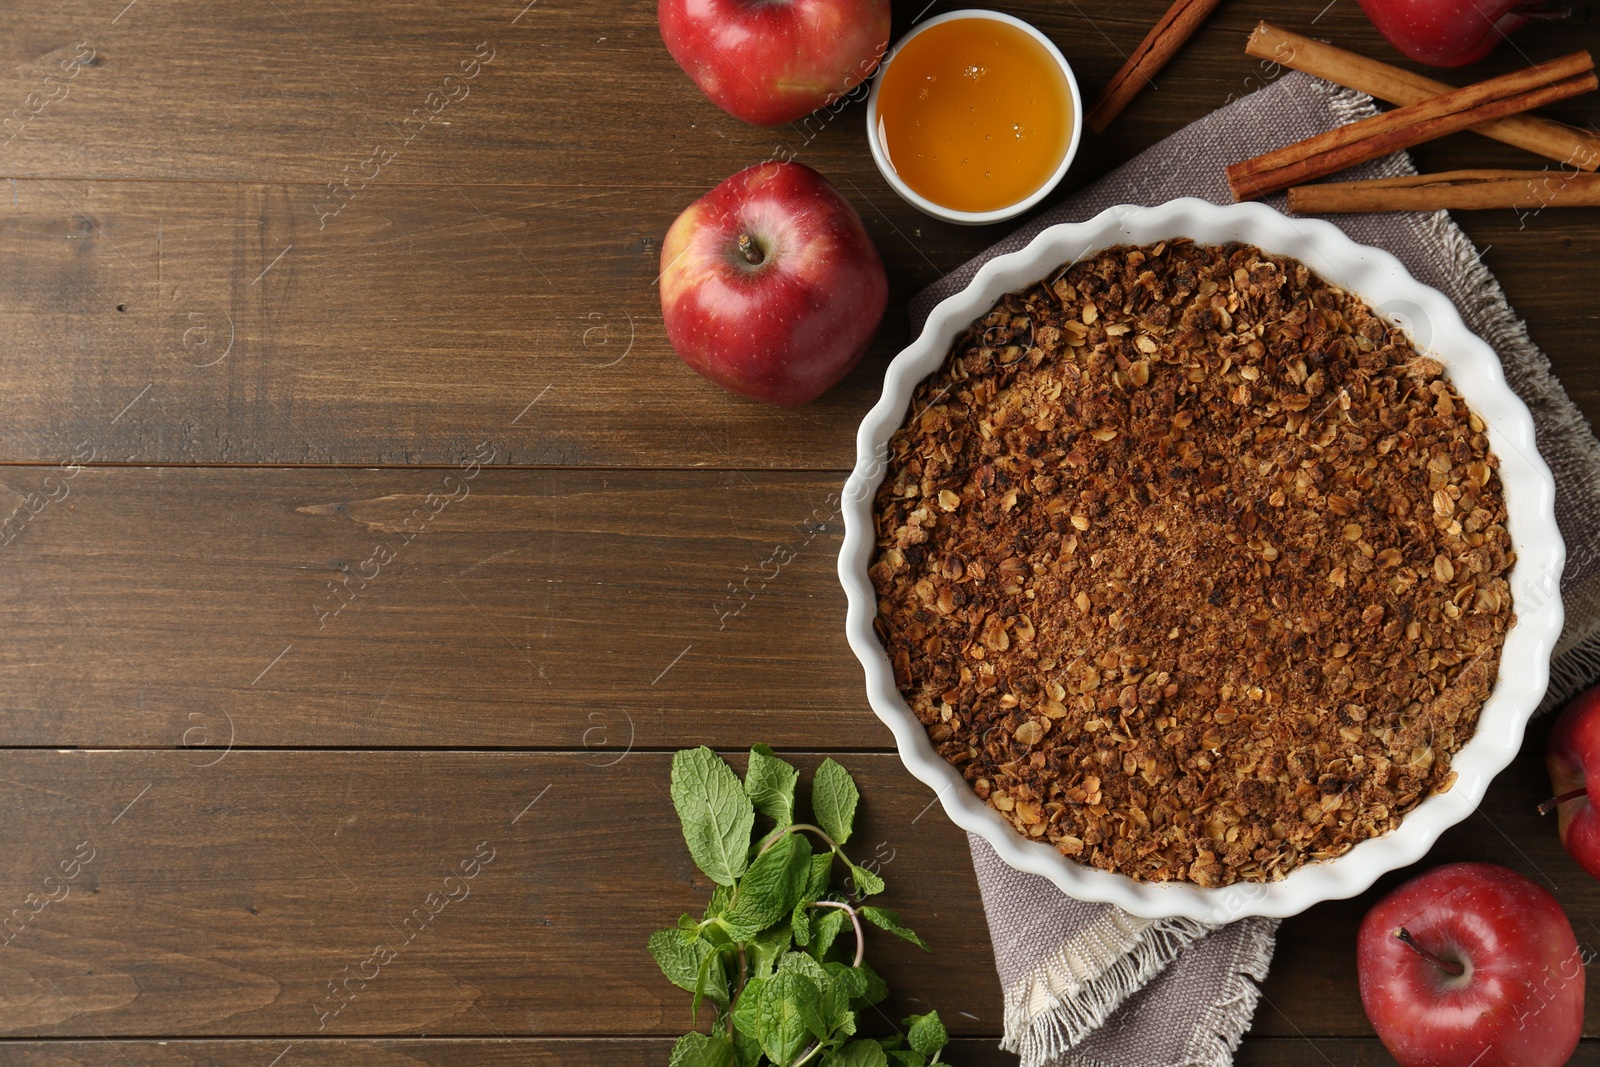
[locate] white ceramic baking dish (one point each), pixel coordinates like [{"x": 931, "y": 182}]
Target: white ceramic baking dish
[{"x": 1436, "y": 328}]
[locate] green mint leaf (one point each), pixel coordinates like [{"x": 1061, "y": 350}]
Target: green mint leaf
[
  {"x": 770, "y": 782},
  {"x": 718, "y": 902},
  {"x": 684, "y": 962},
  {"x": 926, "y": 1033},
  {"x": 789, "y": 1016},
  {"x": 859, "y": 1054},
  {"x": 746, "y": 1049},
  {"x": 811, "y": 1003},
  {"x": 771, "y": 887},
  {"x": 691, "y": 931},
  {"x": 848, "y": 978},
  {"x": 704, "y": 987},
  {"x": 701, "y": 1050},
  {"x": 865, "y": 882},
  {"x": 821, "y": 874},
  {"x": 715, "y": 813},
  {"x": 824, "y": 929},
  {"x": 904, "y": 1057},
  {"x": 800, "y": 923},
  {"x": 885, "y": 919},
  {"x": 766, "y": 948},
  {"x": 747, "y": 1009},
  {"x": 833, "y": 800},
  {"x": 834, "y": 1001},
  {"x": 877, "y": 989},
  {"x": 800, "y": 963}
]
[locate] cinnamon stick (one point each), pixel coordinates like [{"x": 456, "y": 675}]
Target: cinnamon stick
[
  {"x": 1158, "y": 46},
  {"x": 1565, "y": 144},
  {"x": 1451, "y": 190},
  {"x": 1358, "y": 142}
]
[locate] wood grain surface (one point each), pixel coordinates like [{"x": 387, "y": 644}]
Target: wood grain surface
[
  {"x": 494, "y": 281},
  {"x": 402, "y": 1052},
  {"x": 576, "y": 1052},
  {"x": 401, "y": 533},
  {"x": 225, "y": 890},
  {"x": 362, "y": 608}
]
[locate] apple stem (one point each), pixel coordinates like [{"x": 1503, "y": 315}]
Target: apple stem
[
  {"x": 1555, "y": 802},
  {"x": 1455, "y": 970},
  {"x": 750, "y": 250},
  {"x": 1537, "y": 11}
]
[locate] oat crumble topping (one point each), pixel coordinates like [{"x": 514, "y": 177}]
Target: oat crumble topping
[{"x": 1192, "y": 565}]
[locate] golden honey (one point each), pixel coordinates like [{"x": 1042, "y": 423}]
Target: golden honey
[{"x": 974, "y": 114}]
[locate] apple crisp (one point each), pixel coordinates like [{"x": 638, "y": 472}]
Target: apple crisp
[{"x": 1193, "y": 565}]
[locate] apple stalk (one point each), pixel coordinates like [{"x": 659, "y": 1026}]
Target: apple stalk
[
  {"x": 750, "y": 250},
  {"x": 1454, "y": 970},
  {"x": 1555, "y": 802}
]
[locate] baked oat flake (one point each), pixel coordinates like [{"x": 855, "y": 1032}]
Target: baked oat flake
[{"x": 1192, "y": 565}]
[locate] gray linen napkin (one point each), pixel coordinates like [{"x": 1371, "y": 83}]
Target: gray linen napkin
[{"x": 1088, "y": 985}]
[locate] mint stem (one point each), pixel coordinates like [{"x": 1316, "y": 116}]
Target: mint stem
[
  {"x": 778, "y": 835},
  {"x": 744, "y": 973},
  {"x": 861, "y": 942},
  {"x": 861, "y": 949},
  {"x": 784, "y": 831}
]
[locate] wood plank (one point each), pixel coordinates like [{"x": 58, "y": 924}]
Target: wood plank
[
  {"x": 180, "y": 323},
  {"x": 587, "y": 1052},
  {"x": 329, "y": 608},
  {"x": 433, "y": 318},
  {"x": 399, "y": 1052},
  {"x": 590, "y": 1052},
  {"x": 417, "y": 318},
  {"x": 226, "y": 899},
  {"x": 222, "y": 899},
  {"x": 574, "y": 93}
]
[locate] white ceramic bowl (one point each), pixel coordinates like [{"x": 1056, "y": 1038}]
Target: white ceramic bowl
[
  {"x": 938, "y": 211},
  {"x": 1475, "y": 371}
]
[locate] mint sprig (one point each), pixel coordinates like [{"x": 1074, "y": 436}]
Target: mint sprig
[
  {"x": 715, "y": 813},
  {"x": 769, "y": 783},
  {"x": 769, "y": 954}
]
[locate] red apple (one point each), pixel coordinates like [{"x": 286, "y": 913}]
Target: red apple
[
  {"x": 770, "y": 285},
  {"x": 1450, "y": 33},
  {"x": 1573, "y": 752},
  {"x": 1471, "y": 963},
  {"x": 772, "y": 61}
]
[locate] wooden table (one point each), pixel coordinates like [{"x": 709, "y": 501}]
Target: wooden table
[{"x": 282, "y": 655}]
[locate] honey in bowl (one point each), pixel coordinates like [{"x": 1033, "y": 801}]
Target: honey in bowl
[{"x": 974, "y": 114}]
